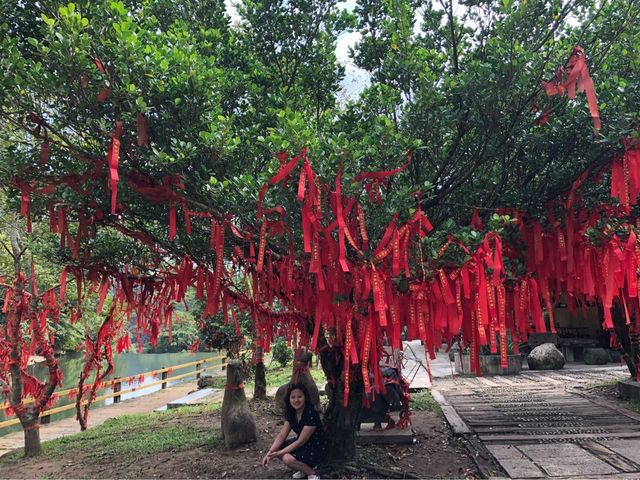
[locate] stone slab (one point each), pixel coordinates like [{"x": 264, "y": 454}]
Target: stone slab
[
  {"x": 566, "y": 459},
  {"x": 628, "y": 448},
  {"x": 629, "y": 389},
  {"x": 579, "y": 470},
  {"x": 366, "y": 435},
  {"x": 506, "y": 452},
  {"x": 198, "y": 397},
  {"x": 457, "y": 424},
  {"x": 611, "y": 457},
  {"x": 523, "y": 468}
]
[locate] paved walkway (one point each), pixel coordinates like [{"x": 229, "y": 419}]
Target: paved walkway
[
  {"x": 69, "y": 426},
  {"x": 543, "y": 425}
]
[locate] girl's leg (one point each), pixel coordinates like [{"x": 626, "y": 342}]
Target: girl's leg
[{"x": 291, "y": 462}]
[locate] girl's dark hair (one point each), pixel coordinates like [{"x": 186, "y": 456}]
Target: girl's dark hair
[{"x": 289, "y": 411}]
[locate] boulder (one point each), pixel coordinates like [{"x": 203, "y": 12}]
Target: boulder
[
  {"x": 615, "y": 356},
  {"x": 205, "y": 381},
  {"x": 545, "y": 357},
  {"x": 595, "y": 356},
  {"x": 238, "y": 424},
  {"x": 301, "y": 365}
]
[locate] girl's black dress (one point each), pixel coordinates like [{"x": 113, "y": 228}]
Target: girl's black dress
[{"x": 314, "y": 450}]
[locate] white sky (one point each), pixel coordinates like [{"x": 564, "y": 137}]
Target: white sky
[{"x": 356, "y": 79}]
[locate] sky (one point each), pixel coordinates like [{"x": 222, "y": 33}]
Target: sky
[{"x": 356, "y": 79}]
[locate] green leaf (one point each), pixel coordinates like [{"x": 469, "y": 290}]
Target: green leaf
[{"x": 49, "y": 21}]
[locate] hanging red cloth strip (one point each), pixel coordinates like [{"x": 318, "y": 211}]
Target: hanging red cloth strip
[
  {"x": 575, "y": 78},
  {"x": 112, "y": 161},
  {"x": 342, "y": 259},
  {"x": 285, "y": 170}
]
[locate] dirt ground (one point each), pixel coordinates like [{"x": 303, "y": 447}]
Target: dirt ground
[{"x": 436, "y": 454}]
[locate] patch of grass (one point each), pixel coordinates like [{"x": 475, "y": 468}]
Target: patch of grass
[
  {"x": 275, "y": 376},
  {"x": 218, "y": 382},
  {"x": 424, "y": 401},
  {"x": 633, "y": 405},
  {"x": 134, "y": 436},
  {"x": 279, "y": 376},
  {"x": 609, "y": 388},
  {"x": 11, "y": 457},
  {"x": 604, "y": 385}
]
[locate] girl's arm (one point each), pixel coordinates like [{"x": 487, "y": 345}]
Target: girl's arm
[
  {"x": 282, "y": 436},
  {"x": 284, "y": 431},
  {"x": 305, "y": 435}
]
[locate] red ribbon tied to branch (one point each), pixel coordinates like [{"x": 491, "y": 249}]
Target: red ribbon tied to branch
[
  {"x": 575, "y": 78},
  {"x": 371, "y": 179},
  {"x": 112, "y": 160}
]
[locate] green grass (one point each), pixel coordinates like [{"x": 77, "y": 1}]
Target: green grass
[
  {"x": 604, "y": 385},
  {"x": 612, "y": 386},
  {"x": 423, "y": 401},
  {"x": 137, "y": 435},
  {"x": 275, "y": 376},
  {"x": 633, "y": 405}
]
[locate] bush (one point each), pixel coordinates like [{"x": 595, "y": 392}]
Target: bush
[{"x": 281, "y": 352}]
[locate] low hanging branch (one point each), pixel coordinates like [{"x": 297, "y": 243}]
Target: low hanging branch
[
  {"x": 25, "y": 335},
  {"x": 97, "y": 353}
]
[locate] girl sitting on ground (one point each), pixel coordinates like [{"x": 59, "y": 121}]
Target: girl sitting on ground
[{"x": 308, "y": 449}]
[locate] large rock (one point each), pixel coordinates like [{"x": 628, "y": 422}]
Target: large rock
[
  {"x": 206, "y": 381},
  {"x": 545, "y": 357},
  {"x": 300, "y": 374},
  {"x": 595, "y": 356},
  {"x": 615, "y": 356},
  {"x": 238, "y": 425}
]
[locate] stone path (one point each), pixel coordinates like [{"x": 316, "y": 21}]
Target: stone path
[{"x": 540, "y": 424}]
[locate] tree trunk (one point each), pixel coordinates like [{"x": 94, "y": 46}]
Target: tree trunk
[
  {"x": 627, "y": 337},
  {"x": 260, "y": 386},
  {"x": 341, "y": 423},
  {"x": 31, "y": 426}
]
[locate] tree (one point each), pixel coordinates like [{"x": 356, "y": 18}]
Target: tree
[
  {"x": 149, "y": 126},
  {"x": 466, "y": 86},
  {"x": 25, "y": 332}
]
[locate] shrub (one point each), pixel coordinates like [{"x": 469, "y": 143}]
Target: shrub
[{"x": 281, "y": 352}]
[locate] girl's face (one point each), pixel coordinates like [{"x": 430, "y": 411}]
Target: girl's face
[{"x": 296, "y": 399}]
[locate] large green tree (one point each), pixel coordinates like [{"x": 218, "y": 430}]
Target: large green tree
[
  {"x": 464, "y": 82},
  {"x": 203, "y": 104}
]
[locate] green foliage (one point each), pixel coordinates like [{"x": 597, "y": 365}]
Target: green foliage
[
  {"x": 184, "y": 332},
  {"x": 208, "y": 90},
  {"x": 633, "y": 405},
  {"x": 220, "y": 98},
  {"x": 461, "y": 84},
  {"x": 424, "y": 401},
  {"x": 217, "y": 335},
  {"x": 486, "y": 349},
  {"x": 281, "y": 352},
  {"x": 275, "y": 376},
  {"x": 279, "y": 376}
]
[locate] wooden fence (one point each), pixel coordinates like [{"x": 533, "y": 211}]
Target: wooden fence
[{"x": 116, "y": 386}]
